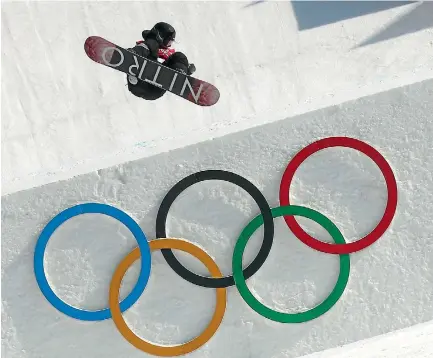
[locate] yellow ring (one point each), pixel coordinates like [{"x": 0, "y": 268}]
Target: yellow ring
[{"x": 166, "y": 351}]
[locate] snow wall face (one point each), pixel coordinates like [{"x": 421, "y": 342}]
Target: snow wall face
[
  {"x": 390, "y": 283},
  {"x": 65, "y": 115}
]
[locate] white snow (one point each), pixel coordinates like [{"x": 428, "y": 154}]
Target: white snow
[
  {"x": 64, "y": 115},
  {"x": 415, "y": 341}
]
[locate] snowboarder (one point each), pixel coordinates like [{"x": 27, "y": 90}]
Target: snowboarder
[{"x": 156, "y": 44}]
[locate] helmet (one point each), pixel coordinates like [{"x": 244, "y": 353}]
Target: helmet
[{"x": 164, "y": 33}]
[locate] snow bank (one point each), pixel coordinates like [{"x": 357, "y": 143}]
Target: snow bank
[
  {"x": 415, "y": 341},
  {"x": 390, "y": 285}
]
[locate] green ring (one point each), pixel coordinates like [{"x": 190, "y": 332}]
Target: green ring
[{"x": 313, "y": 313}]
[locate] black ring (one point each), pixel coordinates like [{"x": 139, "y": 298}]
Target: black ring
[{"x": 268, "y": 224}]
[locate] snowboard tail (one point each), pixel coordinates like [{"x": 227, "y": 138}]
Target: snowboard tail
[{"x": 190, "y": 88}]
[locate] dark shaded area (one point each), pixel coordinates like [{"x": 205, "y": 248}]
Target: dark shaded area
[
  {"x": 418, "y": 19},
  {"x": 311, "y": 14}
]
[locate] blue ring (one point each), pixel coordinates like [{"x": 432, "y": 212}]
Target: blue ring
[{"x": 97, "y": 209}]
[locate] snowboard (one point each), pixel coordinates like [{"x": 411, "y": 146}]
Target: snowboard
[{"x": 190, "y": 88}]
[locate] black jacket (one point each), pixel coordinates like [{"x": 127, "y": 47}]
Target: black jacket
[{"x": 149, "y": 48}]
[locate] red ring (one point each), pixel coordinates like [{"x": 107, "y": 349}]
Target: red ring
[{"x": 390, "y": 181}]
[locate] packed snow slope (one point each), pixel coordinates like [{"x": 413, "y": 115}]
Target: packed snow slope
[
  {"x": 64, "y": 115},
  {"x": 390, "y": 283},
  {"x": 412, "y": 342},
  {"x": 288, "y": 78}
]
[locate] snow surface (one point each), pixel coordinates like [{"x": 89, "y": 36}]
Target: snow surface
[
  {"x": 65, "y": 115},
  {"x": 50, "y": 126},
  {"x": 390, "y": 283},
  {"x": 416, "y": 341}
]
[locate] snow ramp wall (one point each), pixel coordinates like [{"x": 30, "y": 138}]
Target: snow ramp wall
[
  {"x": 389, "y": 284},
  {"x": 65, "y": 115}
]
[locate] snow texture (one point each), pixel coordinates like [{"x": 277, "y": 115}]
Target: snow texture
[
  {"x": 415, "y": 341},
  {"x": 64, "y": 115}
]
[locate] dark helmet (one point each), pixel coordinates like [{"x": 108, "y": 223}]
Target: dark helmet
[{"x": 164, "y": 33}]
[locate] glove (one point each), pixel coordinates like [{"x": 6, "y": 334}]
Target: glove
[
  {"x": 153, "y": 46},
  {"x": 148, "y": 49},
  {"x": 191, "y": 69}
]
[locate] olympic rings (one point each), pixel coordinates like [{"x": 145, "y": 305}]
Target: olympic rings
[
  {"x": 258, "y": 197},
  {"x": 166, "y": 351},
  {"x": 217, "y": 280},
  {"x": 58, "y": 220},
  {"x": 260, "y": 308},
  {"x": 391, "y": 184}
]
